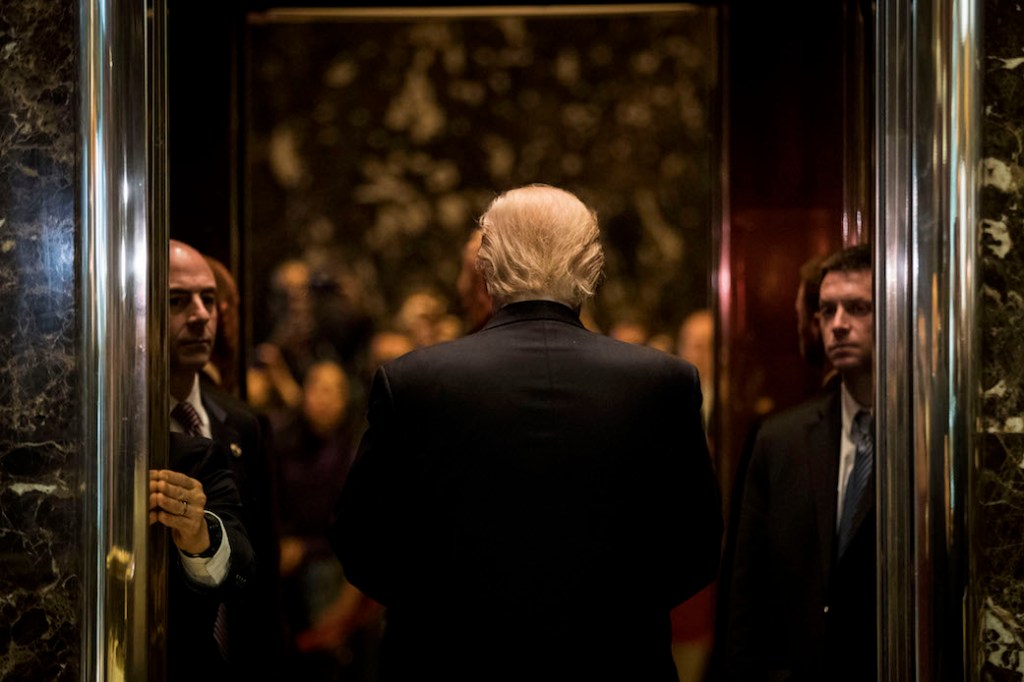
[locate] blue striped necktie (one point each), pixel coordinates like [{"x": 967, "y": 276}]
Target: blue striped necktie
[{"x": 861, "y": 477}]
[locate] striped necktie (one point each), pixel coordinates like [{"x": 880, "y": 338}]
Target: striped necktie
[
  {"x": 187, "y": 416},
  {"x": 860, "y": 478}
]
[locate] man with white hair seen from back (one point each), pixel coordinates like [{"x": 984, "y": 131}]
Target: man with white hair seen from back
[{"x": 530, "y": 501}]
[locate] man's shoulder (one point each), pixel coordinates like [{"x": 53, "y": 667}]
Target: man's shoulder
[
  {"x": 427, "y": 356},
  {"x": 225, "y": 407},
  {"x": 599, "y": 349},
  {"x": 798, "y": 417}
]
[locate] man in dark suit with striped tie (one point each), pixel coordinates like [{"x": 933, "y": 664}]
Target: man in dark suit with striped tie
[
  {"x": 802, "y": 598},
  {"x": 196, "y": 497},
  {"x": 248, "y": 621}
]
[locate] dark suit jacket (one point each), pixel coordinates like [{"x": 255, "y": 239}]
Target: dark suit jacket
[
  {"x": 255, "y": 625},
  {"x": 192, "y": 652},
  {"x": 797, "y": 611},
  {"x": 530, "y": 502}
]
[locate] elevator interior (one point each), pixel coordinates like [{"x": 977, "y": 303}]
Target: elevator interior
[{"x": 796, "y": 171}]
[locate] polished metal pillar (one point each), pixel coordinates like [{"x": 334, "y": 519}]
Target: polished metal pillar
[
  {"x": 892, "y": 310},
  {"x": 117, "y": 236},
  {"x": 954, "y": 474},
  {"x": 156, "y": 329},
  {"x": 927, "y": 117}
]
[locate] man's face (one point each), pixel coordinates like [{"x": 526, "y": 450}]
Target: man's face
[
  {"x": 192, "y": 322},
  {"x": 847, "y": 320}
]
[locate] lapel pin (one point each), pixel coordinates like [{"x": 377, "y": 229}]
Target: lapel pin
[{"x": 236, "y": 450}]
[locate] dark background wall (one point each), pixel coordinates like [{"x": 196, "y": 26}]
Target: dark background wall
[
  {"x": 202, "y": 123},
  {"x": 374, "y": 146},
  {"x": 785, "y": 196}
]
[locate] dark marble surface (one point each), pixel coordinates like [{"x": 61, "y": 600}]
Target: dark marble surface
[
  {"x": 375, "y": 145},
  {"x": 40, "y": 452},
  {"x": 998, "y": 538}
]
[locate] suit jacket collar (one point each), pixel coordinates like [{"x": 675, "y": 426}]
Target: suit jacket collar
[
  {"x": 214, "y": 408},
  {"x": 533, "y": 310},
  {"x": 187, "y": 452},
  {"x": 221, "y": 426},
  {"x": 823, "y": 469}
]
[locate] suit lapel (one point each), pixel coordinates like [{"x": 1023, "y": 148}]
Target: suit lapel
[
  {"x": 220, "y": 429},
  {"x": 823, "y": 470},
  {"x": 187, "y": 452}
]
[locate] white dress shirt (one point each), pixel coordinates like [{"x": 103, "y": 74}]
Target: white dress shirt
[{"x": 195, "y": 399}]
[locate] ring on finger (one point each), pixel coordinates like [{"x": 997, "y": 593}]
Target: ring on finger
[{"x": 185, "y": 509}]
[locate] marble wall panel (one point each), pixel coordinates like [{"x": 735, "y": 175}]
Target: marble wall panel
[
  {"x": 999, "y": 486},
  {"x": 40, "y": 449},
  {"x": 373, "y": 147}
]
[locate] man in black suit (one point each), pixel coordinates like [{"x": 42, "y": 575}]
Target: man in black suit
[
  {"x": 251, "y": 620},
  {"x": 196, "y": 498},
  {"x": 530, "y": 501},
  {"x": 803, "y": 582}
]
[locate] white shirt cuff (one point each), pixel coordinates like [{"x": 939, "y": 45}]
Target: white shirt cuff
[{"x": 209, "y": 571}]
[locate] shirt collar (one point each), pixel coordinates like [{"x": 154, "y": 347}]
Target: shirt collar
[
  {"x": 195, "y": 399},
  {"x": 533, "y": 310},
  {"x": 850, "y": 407}
]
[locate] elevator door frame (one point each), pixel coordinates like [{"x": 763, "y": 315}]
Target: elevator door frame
[{"x": 926, "y": 290}]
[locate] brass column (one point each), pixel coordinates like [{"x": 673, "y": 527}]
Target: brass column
[
  {"x": 925, "y": 288},
  {"x": 122, "y": 313}
]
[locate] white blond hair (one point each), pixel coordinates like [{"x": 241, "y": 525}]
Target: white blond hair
[{"x": 540, "y": 242}]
